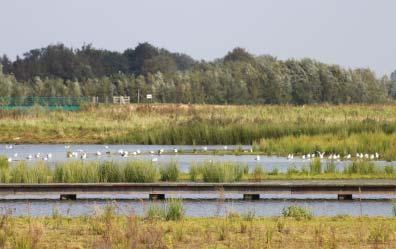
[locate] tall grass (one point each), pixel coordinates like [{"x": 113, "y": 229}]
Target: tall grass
[
  {"x": 221, "y": 171},
  {"x": 172, "y": 209},
  {"x": 140, "y": 171},
  {"x": 362, "y": 167},
  {"x": 170, "y": 172},
  {"x": 288, "y": 129},
  {"x": 146, "y": 171}
]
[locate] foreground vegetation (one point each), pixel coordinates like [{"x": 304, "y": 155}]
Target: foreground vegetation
[
  {"x": 77, "y": 171},
  {"x": 107, "y": 230},
  {"x": 273, "y": 129}
]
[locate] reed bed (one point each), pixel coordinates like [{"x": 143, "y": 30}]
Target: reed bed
[
  {"x": 272, "y": 129},
  {"x": 146, "y": 171}
]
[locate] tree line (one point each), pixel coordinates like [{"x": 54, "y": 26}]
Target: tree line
[{"x": 237, "y": 78}]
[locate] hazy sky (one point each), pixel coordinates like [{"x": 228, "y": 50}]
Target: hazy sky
[{"x": 353, "y": 33}]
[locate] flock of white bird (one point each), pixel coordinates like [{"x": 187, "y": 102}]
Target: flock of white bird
[
  {"x": 124, "y": 153},
  {"x": 332, "y": 156}
]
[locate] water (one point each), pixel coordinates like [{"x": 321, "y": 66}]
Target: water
[
  {"x": 58, "y": 152},
  {"x": 272, "y": 205},
  {"x": 202, "y": 208}
]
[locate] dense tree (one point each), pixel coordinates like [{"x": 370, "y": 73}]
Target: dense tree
[{"x": 238, "y": 78}]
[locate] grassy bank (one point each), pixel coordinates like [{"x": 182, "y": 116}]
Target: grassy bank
[
  {"x": 109, "y": 231},
  {"x": 147, "y": 171},
  {"x": 274, "y": 129}
]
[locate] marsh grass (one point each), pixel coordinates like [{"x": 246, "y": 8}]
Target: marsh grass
[
  {"x": 221, "y": 171},
  {"x": 172, "y": 209},
  {"x": 170, "y": 172},
  {"x": 362, "y": 167},
  {"x": 145, "y": 172},
  {"x": 288, "y": 129},
  {"x": 140, "y": 171},
  {"x": 297, "y": 212}
]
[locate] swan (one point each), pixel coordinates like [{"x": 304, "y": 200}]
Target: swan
[
  {"x": 175, "y": 150},
  {"x": 9, "y": 159},
  {"x": 154, "y": 159},
  {"x": 98, "y": 153},
  {"x": 29, "y": 157},
  {"x": 257, "y": 158}
]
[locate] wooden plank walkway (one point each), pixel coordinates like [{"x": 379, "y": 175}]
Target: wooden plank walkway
[{"x": 251, "y": 190}]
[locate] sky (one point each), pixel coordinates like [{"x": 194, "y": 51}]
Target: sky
[{"x": 352, "y": 33}]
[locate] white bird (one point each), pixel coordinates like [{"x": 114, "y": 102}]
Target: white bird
[
  {"x": 9, "y": 159},
  {"x": 49, "y": 155},
  {"x": 74, "y": 154},
  {"x": 257, "y": 158},
  {"x": 154, "y": 159},
  {"x": 225, "y": 147},
  {"x": 9, "y": 146},
  {"x": 29, "y": 157},
  {"x": 83, "y": 156},
  {"x": 98, "y": 153},
  {"x": 308, "y": 156},
  {"x": 366, "y": 156},
  {"x": 134, "y": 153},
  {"x": 372, "y": 157},
  {"x": 16, "y": 155},
  {"x": 321, "y": 154},
  {"x": 175, "y": 150},
  {"x": 303, "y": 157},
  {"x": 312, "y": 155},
  {"x": 290, "y": 156},
  {"x": 152, "y": 152},
  {"x": 205, "y": 148},
  {"x": 45, "y": 158},
  {"x": 38, "y": 155},
  {"x": 106, "y": 146},
  {"x": 120, "y": 151},
  {"x": 376, "y": 155},
  {"x": 67, "y": 146},
  {"x": 138, "y": 151},
  {"x": 348, "y": 156}
]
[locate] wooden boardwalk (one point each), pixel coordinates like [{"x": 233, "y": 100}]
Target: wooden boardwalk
[{"x": 344, "y": 189}]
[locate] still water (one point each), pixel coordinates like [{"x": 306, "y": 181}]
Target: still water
[
  {"x": 59, "y": 154},
  {"x": 270, "y": 205},
  {"x": 201, "y": 208}
]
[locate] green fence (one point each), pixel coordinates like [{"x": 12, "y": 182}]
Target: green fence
[{"x": 52, "y": 103}]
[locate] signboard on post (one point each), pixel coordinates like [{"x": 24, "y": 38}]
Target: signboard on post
[{"x": 149, "y": 96}]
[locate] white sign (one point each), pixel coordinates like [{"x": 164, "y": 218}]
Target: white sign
[{"x": 149, "y": 96}]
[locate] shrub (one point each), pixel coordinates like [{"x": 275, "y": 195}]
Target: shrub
[{"x": 297, "y": 212}]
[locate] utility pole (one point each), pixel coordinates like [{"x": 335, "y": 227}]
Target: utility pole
[{"x": 138, "y": 99}]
